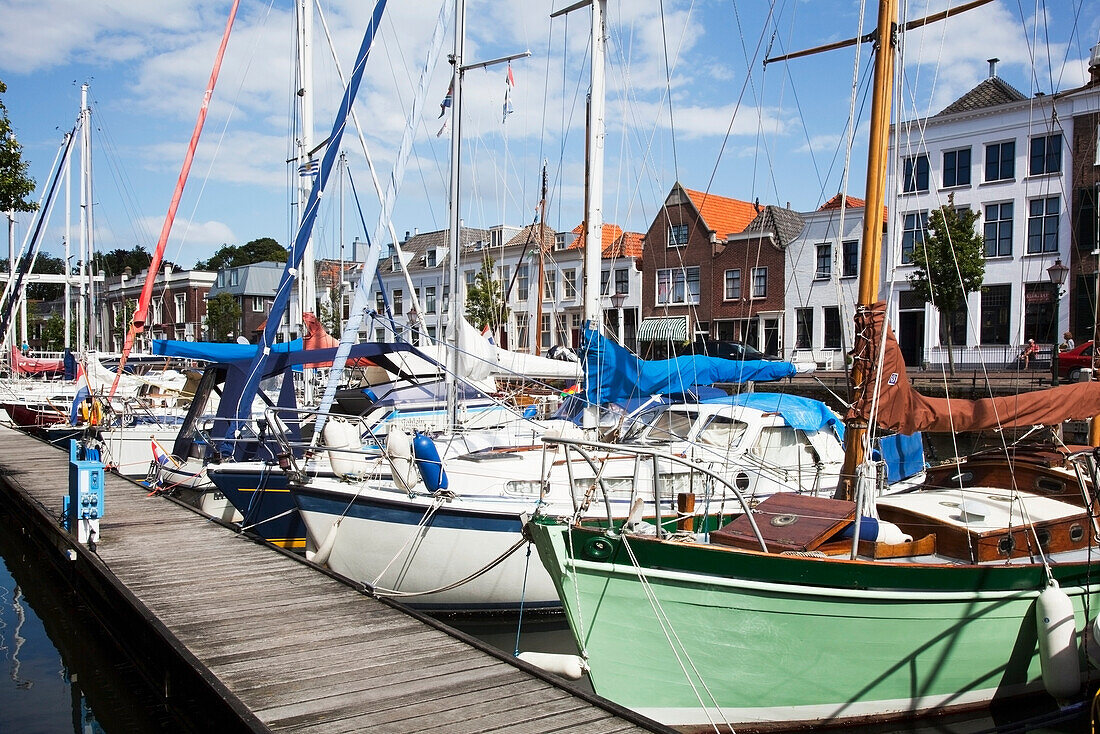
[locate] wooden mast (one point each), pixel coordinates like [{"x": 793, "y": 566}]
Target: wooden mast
[{"x": 871, "y": 255}]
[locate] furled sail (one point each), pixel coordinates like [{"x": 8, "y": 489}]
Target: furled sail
[{"x": 901, "y": 408}]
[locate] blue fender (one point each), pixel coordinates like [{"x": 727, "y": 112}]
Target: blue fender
[{"x": 429, "y": 463}]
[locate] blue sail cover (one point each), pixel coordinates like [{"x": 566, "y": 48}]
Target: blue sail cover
[
  {"x": 904, "y": 455},
  {"x": 613, "y": 374},
  {"x": 217, "y": 351},
  {"x": 800, "y": 412}
]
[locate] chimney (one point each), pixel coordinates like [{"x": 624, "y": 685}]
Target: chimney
[
  {"x": 1094, "y": 65},
  {"x": 992, "y": 68},
  {"x": 407, "y": 235}
]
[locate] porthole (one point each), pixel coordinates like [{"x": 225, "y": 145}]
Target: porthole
[
  {"x": 1076, "y": 533},
  {"x": 598, "y": 549},
  {"x": 1043, "y": 535},
  {"x": 742, "y": 481},
  {"x": 1006, "y": 545}
]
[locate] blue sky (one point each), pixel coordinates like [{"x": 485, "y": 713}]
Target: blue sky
[{"x": 688, "y": 100}]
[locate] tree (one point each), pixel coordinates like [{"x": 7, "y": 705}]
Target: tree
[
  {"x": 53, "y": 333},
  {"x": 15, "y": 184},
  {"x": 223, "y": 313},
  {"x": 115, "y": 262},
  {"x": 264, "y": 249},
  {"x": 950, "y": 264},
  {"x": 485, "y": 299},
  {"x": 43, "y": 264}
]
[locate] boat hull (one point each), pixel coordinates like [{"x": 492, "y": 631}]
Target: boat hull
[
  {"x": 263, "y": 501},
  {"x": 781, "y": 640}
]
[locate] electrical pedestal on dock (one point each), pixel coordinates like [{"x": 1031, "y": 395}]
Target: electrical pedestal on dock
[{"x": 84, "y": 503}]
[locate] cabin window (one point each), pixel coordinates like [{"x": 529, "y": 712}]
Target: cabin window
[
  {"x": 733, "y": 284},
  {"x": 916, "y": 174},
  {"x": 1000, "y": 161},
  {"x": 956, "y": 167},
  {"x": 1046, "y": 155},
  {"x": 723, "y": 431},
  {"x": 671, "y": 425},
  {"x": 677, "y": 235},
  {"x": 824, "y": 262},
  {"x": 784, "y": 446},
  {"x": 998, "y": 230},
  {"x": 1042, "y": 225}
]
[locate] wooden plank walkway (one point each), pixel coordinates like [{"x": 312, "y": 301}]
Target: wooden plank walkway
[{"x": 277, "y": 643}]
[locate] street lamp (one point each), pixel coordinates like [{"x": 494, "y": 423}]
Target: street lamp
[
  {"x": 617, "y": 303},
  {"x": 1057, "y": 274}
]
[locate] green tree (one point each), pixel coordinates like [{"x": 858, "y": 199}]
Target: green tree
[
  {"x": 53, "y": 333},
  {"x": 43, "y": 264},
  {"x": 223, "y": 313},
  {"x": 950, "y": 264},
  {"x": 15, "y": 184},
  {"x": 264, "y": 249},
  {"x": 115, "y": 262},
  {"x": 485, "y": 299}
]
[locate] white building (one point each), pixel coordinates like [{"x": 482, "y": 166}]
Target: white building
[{"x": 1009, "y": 157}]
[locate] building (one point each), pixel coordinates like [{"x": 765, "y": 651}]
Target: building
[
  {"x": 253, "y": 287},
  {"x": 1009, "y": 157},
  {"x": 177, "y": 309}
]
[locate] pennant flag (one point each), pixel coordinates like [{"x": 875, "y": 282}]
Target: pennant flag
[
  {"x": 83, "y": 391},
  {"x": 510, "y": 82},
  {"x": 447, "y": 100},
  {"x": 442, "y": 129},
  {"x": 310, "y": 168}
]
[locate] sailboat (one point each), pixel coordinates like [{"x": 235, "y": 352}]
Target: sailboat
[{"x": 800, "y": 613}]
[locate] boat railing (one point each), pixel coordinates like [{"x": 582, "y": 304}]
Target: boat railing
[
  {"x": 587, "y": 449},
  {"x": 1086, "y": 467}
]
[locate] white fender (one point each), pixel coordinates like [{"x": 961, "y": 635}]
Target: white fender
[
  {"x": 320, "y": 556},
  {"x": 571, "y": 667},
  {"x": 340, "y": 433},
  {"x": 1057, "y": 642},
  {"x": 399, "y": 445}
]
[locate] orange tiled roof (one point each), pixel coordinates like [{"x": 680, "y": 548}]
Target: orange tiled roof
[
  {"x": 616, "y": 242},
  {"x": 722, "y": 214},
  {"x": 852, "y": 203}
]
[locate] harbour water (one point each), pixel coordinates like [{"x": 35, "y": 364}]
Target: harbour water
[{"x": 62, "y": 673}]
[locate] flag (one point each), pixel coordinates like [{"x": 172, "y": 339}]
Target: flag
[
  {"x": 488, "y": 334},
  {"x": 161, "y": 456},
  {"x": 510, "y": 81},
  {"x": 442, "y": 129},
  {"x": 310, "y": 168},
  {"x": 83, "y": 391},
  {"x": 447, "y": 100}
]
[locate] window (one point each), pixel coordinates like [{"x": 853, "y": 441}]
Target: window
[
  {"x": 804, "y": 328},
  {"x": 759, "y": 282},
  {"x": 234, "y": 277},
  {"x": 916, "y": 174},
  {"x": 956, "y": 167},
  {"x": 996, "y": 303},
  {"x": 851, "y": 260},
  {"x": 429, "y": 258},
  {"x": 1042, "y": 225},
  {"x": 733, "y": 284},
  {"x": 379, "y": 303},
  {"x": 824, "y": 262},
  {"x": 155, "y": 317},
  {"x": 678, "y": 286},
  {"x": 398, "y": 300},
  {"x": 470, "y": 276},
  {"x": 548, "y": 286},
  {"x": 544, "y": 332},
  {"x": 569, "y": 284},
  {"x": 380, "y": 335},
  {"x": 446, "y": 298},
  {"x": 1000, "y": 161},
  {"x": 914, "y": 229},
  {"x": 998, "y": 230},
  {"x": 1039, "y": 304},
  {"x": 521, "y": 329},
  {"x": 605, "y": 280},
  {"x": 257, "y": 304},
  {"x": 677, "y": 235},
  {"x": 429, "y": 299},
  {"x": 181, "y": 307},
  {"x": 523, "y": 282},
  {"x": 622, "y": 283},
  {"x": 431, "y": 333},
  {"x": 1046, "y": 155},
  {"x": 831, "y": 333}
]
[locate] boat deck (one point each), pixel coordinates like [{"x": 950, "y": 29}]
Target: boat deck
[{"x": 274, "y": 642}]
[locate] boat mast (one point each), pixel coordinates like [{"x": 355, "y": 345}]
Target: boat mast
[
  {"x": 68, "y": 254},
  {"x": 306, "y": 280},
  {"x": 537, "y": 330},
  {"x": 593, "y": 217},
  {"x": 871, "y": 254},
  {"x": 83, "y": 320},
  {"x": 458, "y": 293}
]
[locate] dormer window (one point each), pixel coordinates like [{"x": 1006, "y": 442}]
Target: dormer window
[{"x": 429, "y": 258}]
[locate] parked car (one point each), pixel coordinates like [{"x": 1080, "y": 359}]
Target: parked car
[
  {"x": 723, "y": 349},
  {"x": 1072, "y": 361}
]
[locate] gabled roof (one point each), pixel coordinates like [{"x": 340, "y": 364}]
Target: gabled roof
[
  {"x": 722, "y": 214},
  {"x": 785, "y": 223},
  {"x": 851, "y": 203},
  {"x": 415, "y": 247},
  {"x": 616, "y": 242},
  {"x": 992, "y": 92},
  {"x": 530, "y": 235}
]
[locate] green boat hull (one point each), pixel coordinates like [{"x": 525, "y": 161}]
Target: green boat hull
[{"x": 715, "y": 635}]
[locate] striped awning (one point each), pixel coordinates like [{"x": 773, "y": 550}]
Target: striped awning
[{"x": 663, "y": 328}]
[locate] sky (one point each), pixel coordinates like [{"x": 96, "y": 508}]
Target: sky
[{"x": 688, "y": 100}]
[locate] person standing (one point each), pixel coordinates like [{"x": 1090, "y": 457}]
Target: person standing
[{"x": 1067, "y": 341}]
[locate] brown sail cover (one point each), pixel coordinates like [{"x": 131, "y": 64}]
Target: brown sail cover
[{"x": 901, "y": 408}]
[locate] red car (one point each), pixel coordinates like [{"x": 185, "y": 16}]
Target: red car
[{"x": 1072, "y": 361}]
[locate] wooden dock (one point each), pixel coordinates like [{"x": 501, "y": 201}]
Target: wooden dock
[{"x": 264, "y": 641}]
